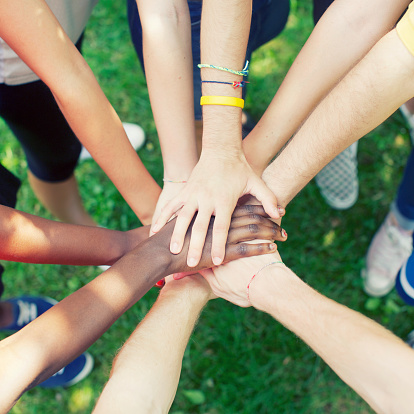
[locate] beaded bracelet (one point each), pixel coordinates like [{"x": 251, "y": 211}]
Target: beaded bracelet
[
  {"x": 222, "y": 100},
  {"x": 173, "y": 181},
  {"x": 251, "y": 280},
  {"x": 235, "y": 84},
  {"x": 243, "y": 72}
]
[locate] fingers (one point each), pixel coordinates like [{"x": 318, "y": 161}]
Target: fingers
[
  {"x": 236, "y": 251},
  {"x": 167, "y": 212},
  {"x": 184, "y": 218},
  {"x": 198, "y": 237},
  {"x": 252, "y": 231},
  {"x": 266, "y": 198},
  {"x": 220, "y": 232},
  {"x": 248, "y": 209}
]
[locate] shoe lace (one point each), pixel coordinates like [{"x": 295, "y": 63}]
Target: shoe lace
[
  {"x": 398, "y": 245},
  {"x": 27, "y": 312}
]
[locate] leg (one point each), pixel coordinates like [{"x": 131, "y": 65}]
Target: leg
[
  {"x": 62, "y": 199},
  {"x": 51, "y": 148}
]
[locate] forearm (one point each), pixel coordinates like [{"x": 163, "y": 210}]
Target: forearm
[
  {"x": 369, "y": 94},
  {"x": 345, "y": 33},
  {"x": 225, "y": 28},
  {"x": 79, "y": 96},
  {"x": 370, "y": 359},
  {"x": 31, "y": 239},
  {"x": 70, "y": 327},
  {"x": 168, "y": 67},
  {"x": 146, "y": 372}
]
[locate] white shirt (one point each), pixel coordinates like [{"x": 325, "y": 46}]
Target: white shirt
[{"x": 72, "y": 15}]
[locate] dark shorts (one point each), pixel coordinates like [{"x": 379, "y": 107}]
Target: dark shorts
[
  {"x": 269, "y": 18},
  {"x": 31, "y": 112},
  {"x": 319, "y": 8}
]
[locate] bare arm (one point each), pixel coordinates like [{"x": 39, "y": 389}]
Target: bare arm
[
  {"x": 344, "y": 34},
  {"x": 166, "y": 30},
  {"x": 223, "y": 174},
  {"x": 31, "y": 239},
  {"x": 56, "y": 337},
  {"x": 369, "y": 94},
  {"x": 369, "y": 358},
  {"x": 145, "y": 373},
  {"x": 30, "y": 28}
]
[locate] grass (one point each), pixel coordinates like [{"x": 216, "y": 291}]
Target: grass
[{"x": 238, "y": 360}]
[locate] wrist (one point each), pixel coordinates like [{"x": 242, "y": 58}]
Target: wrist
[{"x": 271, "y": 290}]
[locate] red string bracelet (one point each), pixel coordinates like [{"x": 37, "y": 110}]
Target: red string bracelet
[{"x": 251, "y": 280}]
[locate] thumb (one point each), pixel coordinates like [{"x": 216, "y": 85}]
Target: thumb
[{"x": 268, "y": 200}]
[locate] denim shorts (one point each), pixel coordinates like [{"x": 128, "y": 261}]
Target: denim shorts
[{"x": 269, "y": 18}]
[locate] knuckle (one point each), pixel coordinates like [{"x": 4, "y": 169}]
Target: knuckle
[
  {"x": 242, "y": 249},
  {"x": 253, "y": 228}
]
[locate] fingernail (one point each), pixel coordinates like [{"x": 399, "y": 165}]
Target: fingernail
[
  {"x": 272, "y": 246},
  {"x": 284, "y": 234},
  {"x": 155, "y": 228},
  {"x": 174, "y": 248},
  {"x": 217, "y": 261},
  {"x": 160, "y": 283},
  {"x": 281, "y": 211},
  {"x": 191, "y": 262},
  {"x": 276, "y": 210}
]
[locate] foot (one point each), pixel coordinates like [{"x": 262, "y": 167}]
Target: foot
[
  {"x": 404, "y": 284},
  {"x": 135, "y": 134},
  {"x": 338, "y": 181},
  {"x": 25, "y": 309},
  {"x": 389, "y": 249},
  {"x": 74, "y": 372}
]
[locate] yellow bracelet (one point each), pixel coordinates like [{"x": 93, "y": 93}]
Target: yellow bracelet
[{"x": 222, "y": 100}]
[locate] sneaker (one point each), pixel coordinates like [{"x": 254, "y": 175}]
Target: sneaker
[
  {"x": 404, "y": 284},
  {"x": 409, "y": 118},
  {"x": 26, "y": 309},
  {"x": 389, "y": 249},
  {"x": 74, "y": 372},
  {"x": 410, "y": 339},
  {"x": 135, "y": 134},
  {"x": 338, "y": 181}
]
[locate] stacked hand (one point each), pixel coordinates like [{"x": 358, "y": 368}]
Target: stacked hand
[{"x": 215, "y": 186}]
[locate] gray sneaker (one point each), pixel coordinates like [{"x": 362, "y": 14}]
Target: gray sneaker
[{"x": 338, "y": 181}]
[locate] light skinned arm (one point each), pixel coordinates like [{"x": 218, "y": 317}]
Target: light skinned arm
[
  {"x": 145, "y": 373},
  {"x": 66, "y": 330},
  {"x": 365, "y": 355},
  {"x": 222, "y": 174},
  {"x": 166, "y": 29},
  {"x": 369, "y": 94},
  {"x": 31, "y": 239},
  {"x": 342, "y": 37},
  {"x": 32, "y": 31}
]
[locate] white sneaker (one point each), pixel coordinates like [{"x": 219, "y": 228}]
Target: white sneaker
[
  {"x": 389, "y": 249},
  {"x": 409, "y": 118},
  {"x": 135, "y": 134},
  {"x": 338, "y": 181}
]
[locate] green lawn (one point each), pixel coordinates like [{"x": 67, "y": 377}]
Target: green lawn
[{"x": 239, "y": 360}]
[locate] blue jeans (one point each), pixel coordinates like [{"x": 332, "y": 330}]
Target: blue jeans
[
  {"x": 403, "y": 205},
  {"x": 269, "y": 18}
]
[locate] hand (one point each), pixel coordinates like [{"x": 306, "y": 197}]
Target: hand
[
  {"x": 230, "y": 281},
  {"x": 195, "y": 287},
  {"x": 248, "y": 223},
  {"x": 169, "y": 192},
  {"x": 214, "y": 188}
]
